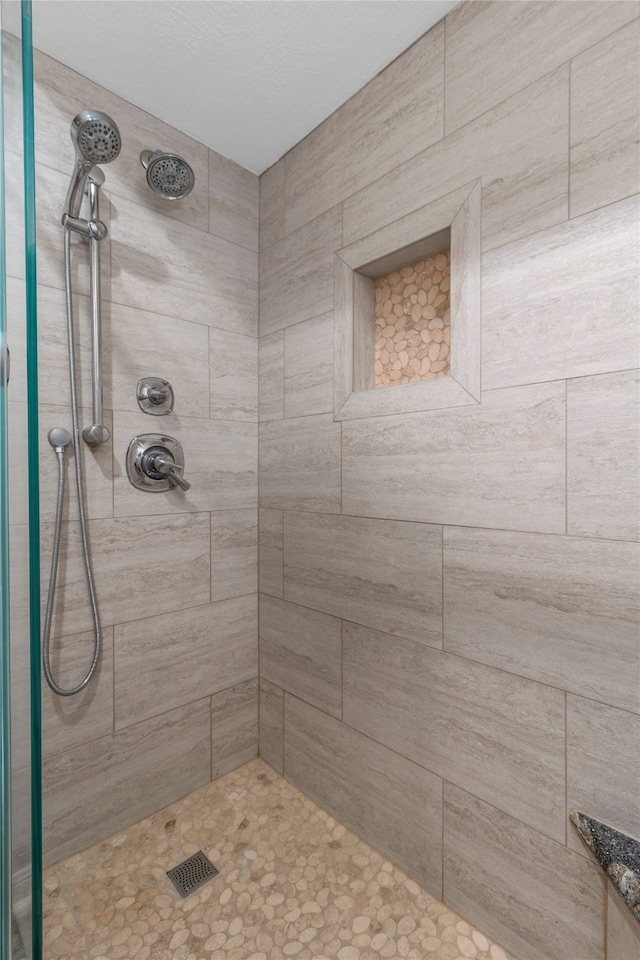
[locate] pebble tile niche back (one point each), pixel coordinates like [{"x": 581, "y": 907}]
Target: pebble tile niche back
[{"x": 413, "y": 322}]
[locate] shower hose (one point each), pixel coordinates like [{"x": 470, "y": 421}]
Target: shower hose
[{"x": 60, "y": 453}]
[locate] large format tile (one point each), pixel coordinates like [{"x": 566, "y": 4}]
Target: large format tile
[
  {"x": 519, "y": 149},
  {"x": 271, "y": 724},
  {"x": 142, "y": 566},
  {"x": 296, "y": 273},
  {"x": 94, "y": 790},
  {"x": 537, "y": 898},
  {"x": 378, "y": 572},
  {"x": 308, "y": 367},
  {"x": 141, "y": 344},
  {"x": 301, "y": 651},
  {"x": 544, "y": 300},
  {"x": 71, "y": 721},
  {"x": 300, "y": 464},
  {"x": 61, "y": 93},
  {"x": 623, "y": 933},
  {"x": 603, "y": 456},
  {"x": 488, "y": 731},
  {"x": 496, "y": 49},
  {"x": 270, "y": 552},
  {"x": 234, "y": 553},
  {"x": 560, "y": 610},
  {"x": 220, "y": 463},
  {"x": 234, "y": 727},
  {"x": 173, "y": 659},
  {"x": 398, "y": 114},
  {"x": 498, "y": 464},
  {"x": 603, "y": 781},
  {"x": 605, "y": 120},
  {"x": 389, "y": 800},
  {"x": 233, "y": 202},
  {"x": 53, "y": 352},
  {"x": 171, "y": 268},
  {"x": 272, "y": 205},
  {"x": 271, "y": 377},
  {"x": 233, "y": 366}
]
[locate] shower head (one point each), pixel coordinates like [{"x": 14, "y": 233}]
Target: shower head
[
  {"x": 95, "y": 136},
  {"x": 96, "y": 139},
  {"x": 168, "y": 175}
]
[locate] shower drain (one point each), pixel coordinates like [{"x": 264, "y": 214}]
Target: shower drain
[{"x": 192, "y": 873}]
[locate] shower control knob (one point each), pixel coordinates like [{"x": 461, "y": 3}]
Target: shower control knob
[
  {"x": 155, "y": 463},
  {"x": 158, "y": 463}
]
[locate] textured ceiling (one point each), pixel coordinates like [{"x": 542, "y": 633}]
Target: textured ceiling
[{"x": 248, "y": 79}]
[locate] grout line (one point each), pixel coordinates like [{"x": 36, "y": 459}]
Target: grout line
[
  {"x": 566, "y": 771},
  {"x": 566, "y": 458}
]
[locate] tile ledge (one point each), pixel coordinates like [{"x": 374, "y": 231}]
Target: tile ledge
[{"x": 617, "y": 853}]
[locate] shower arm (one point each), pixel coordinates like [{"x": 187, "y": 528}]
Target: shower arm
[{"x": 97, "y": 433}]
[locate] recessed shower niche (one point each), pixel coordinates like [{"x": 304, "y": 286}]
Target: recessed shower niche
[
  {"x": 407, "y": 312},
  {"x": 412, "y": 332}
]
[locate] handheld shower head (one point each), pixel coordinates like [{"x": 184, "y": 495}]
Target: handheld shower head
[
  {"x": 95, "y": 136},
  {"x": 96, "y": 139},
  {"x": 168, "y": 175}
]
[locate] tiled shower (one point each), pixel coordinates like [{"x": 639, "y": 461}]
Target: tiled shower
[{"x": 426, "y": 620}]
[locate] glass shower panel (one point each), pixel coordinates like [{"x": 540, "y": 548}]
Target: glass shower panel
[{"x": 20, "y": 870}]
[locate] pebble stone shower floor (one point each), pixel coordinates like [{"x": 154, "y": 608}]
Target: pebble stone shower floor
[{"x": 293, "y": 882}]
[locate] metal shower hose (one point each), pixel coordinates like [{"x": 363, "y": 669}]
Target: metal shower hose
[{"x": 61, "y": 691}]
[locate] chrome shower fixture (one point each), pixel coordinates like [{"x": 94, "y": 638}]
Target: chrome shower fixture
[
  {"x": 96, "y": 139},
  {"x": 168, "y": 175}
]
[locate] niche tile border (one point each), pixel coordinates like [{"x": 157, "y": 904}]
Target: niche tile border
[{"x": 456, "y": 215}]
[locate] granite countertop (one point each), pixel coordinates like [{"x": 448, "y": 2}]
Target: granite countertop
[{"x": 617, "y": 853}]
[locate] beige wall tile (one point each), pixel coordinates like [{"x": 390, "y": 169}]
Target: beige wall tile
[
  {"x": 233, "y": 365},
  {"x": 209, "y": 648},
  {"x": 134, "y": 578},
  {"x": 97, "y": 789},
  {"x": 271, "y": 366},
  {"x": 234, "y": 727},
  {"x": 53, "y": 365},
  {"x": 301, "y": 651},
  {"x": 519, "y": 148},
  {"x": 271, "y": 724},
  {"x": 391, "y": 802},
  {"x": 544, "y": 299},
  {"x": 61, "y": 93},
  {"x": 495, "y": 49},
  {"x": 296, "y": 273},
  {"x": 498, "y": 464},
  {"x": 171, "y": 268},
  {"x": 71, "y": 721},
  {"x": 602, "y": 779},
  {"x": 487, "y": 731},
  {"x": 623, "y": 933},
  {"x": 308, "y": 367},
  {"x": 300, "y": 464},
  {"x": 270, "y": 552},
  {"x": 397, "y": 114},
  {"x": 272, "y": 205},
  {"x": 234, "y": 553},
  {"x": 378, "y": 572},
  {"x": 139, "y": 344},
  {"x": 603, "y": 456},
  {"x": 233, "y": 202},
  {"x": 605, "y": 120},
  {"x": 220, "y": 458},
  {"x": 538, "y": 899},
  {"x": 540, "y": 606}
]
